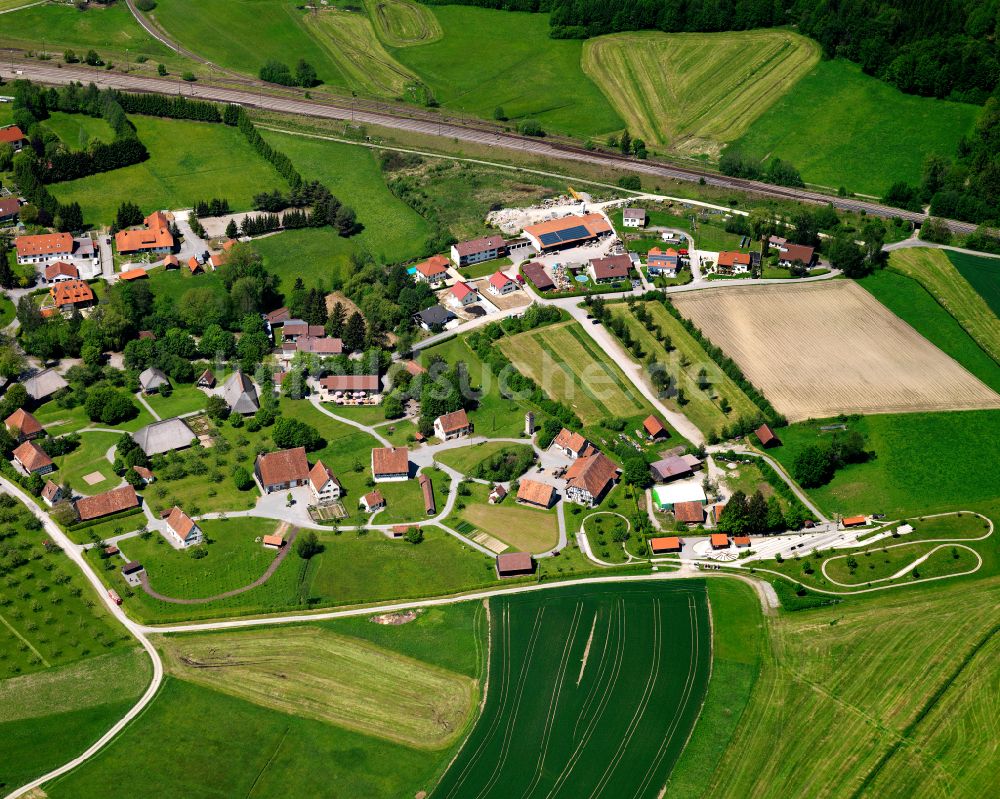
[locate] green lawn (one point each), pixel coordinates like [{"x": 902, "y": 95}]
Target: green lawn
[
  {"x": 982, "y": 273},
  {"x": 393, "y": 230},
  {"x": 77, "y": 130},
  {"x": 242, "y": 749},
  {"x": 924, "y": 462},
  {"x": 184, "y": 398},
  {"x": 318, "y": 255},
  {"x": 173, "y": 283},
  {"x": 524, "y": 529},
  {"x": 872, "y": 134},
  {"x": 243, "y": 34},
  {"x": 494, "y": 416},
  {"x": 466, "y": 459},
  {"x": 708, "y": 230},
  {"x": 108, "y": 29},
  {"x": 449, "y": 636},
  {"x": 88, "y": 457},
  {"x": 234, "y": 559},
  {"x": 516, "y": 66},
  {"x": 882, "y": 562},
  {"x": 405, "y": 501},
  {"x": 7, "y": 311},
  {"x": 51, "y": 716},
  {"x": 188, "y": 161},
  {"x": 914, "y": 305},
  {"x": 372, "y": 568},
  {"x": 738, "y": 641}
]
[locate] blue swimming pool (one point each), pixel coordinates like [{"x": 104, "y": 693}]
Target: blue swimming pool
[{"x": 411, "y": 270}]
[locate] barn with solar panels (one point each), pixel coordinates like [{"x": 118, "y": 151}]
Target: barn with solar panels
[{"x": 570, "y": 231}]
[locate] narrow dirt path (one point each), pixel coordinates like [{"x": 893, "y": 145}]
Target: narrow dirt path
[{"x": 144, "y": 580}]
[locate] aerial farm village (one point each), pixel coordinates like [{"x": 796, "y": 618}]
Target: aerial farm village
[{"x": 370, "y": 430}]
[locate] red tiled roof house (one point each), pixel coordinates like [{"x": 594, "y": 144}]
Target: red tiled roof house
[
  {"x": 452, "y": 425},
  {"x": 390, "y": 464},
  {"x": 281, "y": 470}
]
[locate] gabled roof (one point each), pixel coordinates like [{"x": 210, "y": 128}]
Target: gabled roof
[
  {"x": 634, "y": 213},
  {"x": 732, "y": 258},
  {"x": 568, "y": 229},
  {"x": 239, "y": 393},
  {"x": 44, "y": 384},
  {"x": 154, "y": 235},
  {"x": 274, "y": 540},
  {"x": 207, "y": 377},
  {"x": 143, "y": 472},
  {"x": 133, "y": 274},
  {"x": 499, "y": 280},
  {"x": 164, "y": 436},
  {"x": 653, "y": 426},
  {"x": 689, "y": 512},
  {"x": 61, "y": 269},
  {"x": 663, "y": 543},
  {"x": 536, "y": 273},
  {"x": 427, "y": 489},
  {"x": 113, "y": 501},
  {"x": 296, "y": 327},
  {"x": 534, "y": 492},
  {"x": 23, "y": 423},
  {"x": 797, "y": 252},
  {"x": 766, "y": 435},
  {"x": 462, "y": 290},
  {"x": 319, "y": 345},
  {"x": 44, "y": 244},
  {"x": 671, "y": 467},
  {"x": 152, "y": 378},
  {"x": 9, "y": 206},
  {"x": 515, "y": 562},
  {"x": 11, "y": 135},
  {"x": 351, "y": 383},
  {"x": 612, "y": 267},
  {"x": 193, "y": 264},
  {"x": 320, "y": 475},
  {"x": 390, "y": 460},
  {"x": 180, "y": 523},
  {"x": 574, "y": 442},
  {"x": 456, "y": 420},
  {"x": 71, "y": 292},
  {"x": 283, "y": 466},
  {"x": 51, "y": 491},
  {"x": 594, "y": 474},
  {"x": 278, "y": 316},
  {"x": 32, "y": 457},
  {"x": 433, "y": 266},
  {"x": 482, "y": 244},
  {"x": 720, "y": 540},
  {"x": 169, "y": 261},
  {"x": 373, "y": 498}
]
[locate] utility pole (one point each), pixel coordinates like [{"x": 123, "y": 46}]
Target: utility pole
[{"x": 126, "y": 61}]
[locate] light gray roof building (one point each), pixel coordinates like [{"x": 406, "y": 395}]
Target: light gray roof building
[
  {"x": 44, "y": 384},
  {"x": 152, "y": 379},
  {"x": 165, "y": 436},
  {"x": 239, "y": 393}
]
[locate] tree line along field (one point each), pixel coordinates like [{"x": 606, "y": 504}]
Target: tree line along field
[
  {"x": 255, "y": 744},
  {"x": 840, "y": 127},
  {"x": 816, "y": 366},
  {"x": 694, "y": 92},
  {"x": 948, "y": 277},
  {"x": 571, "y": 368},
  {"x": 703, "y": 408},
  {"x": 592, "y": 689}
]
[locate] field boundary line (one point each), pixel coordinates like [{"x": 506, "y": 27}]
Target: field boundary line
[
  {"x": 600, "y": 674},
  {"x": 25, "y": 641},
  {"x": 268, "y": 763}
]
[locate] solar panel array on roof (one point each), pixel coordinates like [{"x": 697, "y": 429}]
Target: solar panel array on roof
[{"x": 569, "y": 234}]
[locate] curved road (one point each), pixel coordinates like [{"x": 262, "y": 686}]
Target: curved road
[{"x": 401, "y": 118}]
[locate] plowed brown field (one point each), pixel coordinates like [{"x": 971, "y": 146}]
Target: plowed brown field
[{"x": 827, "y": 348}]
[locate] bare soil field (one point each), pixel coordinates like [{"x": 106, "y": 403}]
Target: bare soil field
[{"x": 823, "y": 349}]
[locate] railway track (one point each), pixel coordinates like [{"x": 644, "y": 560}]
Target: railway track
[{"x": 251, "y": 93}]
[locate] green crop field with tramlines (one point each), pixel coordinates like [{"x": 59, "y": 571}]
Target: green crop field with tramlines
[
  {"x": 593, "y": 691},
  {"x": 571, "y": 368}
]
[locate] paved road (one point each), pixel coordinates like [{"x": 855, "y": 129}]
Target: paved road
[
  {"x": 404, "y": 118},
  {"x": 913, "y": 241}
]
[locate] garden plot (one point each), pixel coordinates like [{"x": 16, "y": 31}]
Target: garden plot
[{"x": 825, "y": 349}]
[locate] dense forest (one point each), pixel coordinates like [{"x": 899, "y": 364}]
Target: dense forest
[{"x": 939, "y": 48}]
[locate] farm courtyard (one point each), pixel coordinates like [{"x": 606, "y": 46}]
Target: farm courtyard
[{"x": 832, "y": 348}]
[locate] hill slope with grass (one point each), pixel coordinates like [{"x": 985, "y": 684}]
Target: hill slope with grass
[
  {"x": 696, "y": 91},
  {"x": 840, "y": 127}
]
